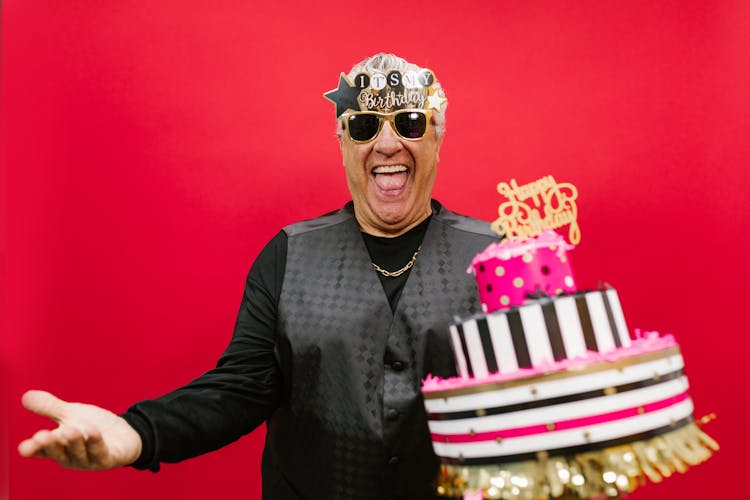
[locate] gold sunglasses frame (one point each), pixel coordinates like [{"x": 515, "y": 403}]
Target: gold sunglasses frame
[{"x": 390, "y": 118}]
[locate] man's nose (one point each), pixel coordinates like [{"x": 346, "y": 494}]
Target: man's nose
[{"x": 387, "y": 142}]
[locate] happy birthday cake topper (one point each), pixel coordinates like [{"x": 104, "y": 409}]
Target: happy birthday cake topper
[
  {"x": 536, "y": 206},
  {"x": 386, "y": 92}
]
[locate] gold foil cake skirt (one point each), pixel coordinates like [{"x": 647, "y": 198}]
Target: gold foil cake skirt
[{"x": 608, "y": 472}]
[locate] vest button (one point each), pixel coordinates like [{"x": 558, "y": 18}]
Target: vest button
[
  {"x": 392, "y": 414},
  {"x": 393, "y": 460},
  {"x": 397, "y": 366}
]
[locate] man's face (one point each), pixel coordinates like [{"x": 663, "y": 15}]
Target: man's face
[{"x": 391, "y": 179}]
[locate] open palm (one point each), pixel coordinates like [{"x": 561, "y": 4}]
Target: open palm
[{"x": 87, "y": 437}]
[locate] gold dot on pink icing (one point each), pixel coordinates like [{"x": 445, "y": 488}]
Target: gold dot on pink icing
[
  {"x": 563, "y": 259},
  {"x": 504, "y": 300},
  {"x": 568, "y": 281},
  {"x": 550, "y": 427},
  {"x": 527, "y": 257},
  {"x": 499, "y": 271},
  {"x": 518, "y": 282},
  {"x": 559, "y": 291}
]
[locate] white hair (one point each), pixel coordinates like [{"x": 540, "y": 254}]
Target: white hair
[{"x": 382, "y": 63}]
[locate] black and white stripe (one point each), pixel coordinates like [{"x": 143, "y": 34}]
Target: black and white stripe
[
  {"x": 595, "y": 391},
  {"x": 542, "y": 331}
]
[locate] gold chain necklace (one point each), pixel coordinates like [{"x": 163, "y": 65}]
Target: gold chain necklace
[{"x": 401, "y": 271}]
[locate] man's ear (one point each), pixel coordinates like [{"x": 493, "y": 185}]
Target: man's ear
[
  {"x": 341, "y": 139},
  {"x": 340, "y": 134}
]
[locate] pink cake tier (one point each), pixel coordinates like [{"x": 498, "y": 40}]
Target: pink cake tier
[
  {"x": 538, "y": 332},
  {"x": 597, "y": 424},
  {"x": 506, "y": 272}
]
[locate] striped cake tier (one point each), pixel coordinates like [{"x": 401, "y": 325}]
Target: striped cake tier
[
  {"x": 581, "y": 406},
  {"x": 538, "y": 332},
  {"x": 571, "y": 408}
]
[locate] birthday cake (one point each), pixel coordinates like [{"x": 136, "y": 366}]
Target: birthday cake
[{"x": 553, "y": 397}]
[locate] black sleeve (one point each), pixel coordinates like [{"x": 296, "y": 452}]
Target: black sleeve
[{"x": 234, "y": 398}]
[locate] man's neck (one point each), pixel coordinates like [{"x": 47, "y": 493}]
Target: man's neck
[{"x": 392, "y": 231}]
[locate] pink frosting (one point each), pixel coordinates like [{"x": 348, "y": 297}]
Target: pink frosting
[
  {"x": 506, "y": 272},
  {"x": 645, "y": 342},
  {"x": 509, "y": 247}
]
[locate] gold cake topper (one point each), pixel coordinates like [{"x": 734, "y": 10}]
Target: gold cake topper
[{"x": 531, "y": 208}]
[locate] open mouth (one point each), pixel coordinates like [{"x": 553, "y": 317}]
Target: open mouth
[{"x": 390, "y": 179}]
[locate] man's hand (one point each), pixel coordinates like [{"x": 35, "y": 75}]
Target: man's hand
[{"x": 87, "y": 437}]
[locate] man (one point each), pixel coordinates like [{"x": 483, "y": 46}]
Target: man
[{"x": 342, "y": 318}]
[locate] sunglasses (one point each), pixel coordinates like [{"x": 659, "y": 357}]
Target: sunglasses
[{"x": 364, "y": 126}]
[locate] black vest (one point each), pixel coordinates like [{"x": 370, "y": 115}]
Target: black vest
[{"x": 352, "y": 423}]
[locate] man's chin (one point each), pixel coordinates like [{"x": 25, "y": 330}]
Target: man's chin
[
  {"x": 387, "y": 217},
  {"x": 395, "y": 222},
  {"x": 391, "y": 215}
]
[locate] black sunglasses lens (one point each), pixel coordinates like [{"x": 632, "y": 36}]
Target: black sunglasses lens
[
  {"x": 363, "y": 127},
  {"x": 411, "y": 124}
]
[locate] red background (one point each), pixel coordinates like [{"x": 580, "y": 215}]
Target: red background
[{"x": 151, "y": 148}]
